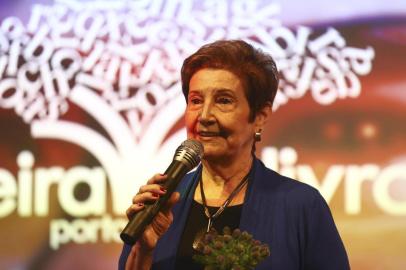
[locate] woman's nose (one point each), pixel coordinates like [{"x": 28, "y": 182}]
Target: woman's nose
[{"x": 206, "y": 113}]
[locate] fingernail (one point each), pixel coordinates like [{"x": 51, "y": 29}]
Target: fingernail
[
  {"x": 162, "y": 189},
  {"x": 161, "y": 174}
]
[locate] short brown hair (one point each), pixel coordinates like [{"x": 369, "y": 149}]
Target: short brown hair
[{"x": 256, "y": 70}]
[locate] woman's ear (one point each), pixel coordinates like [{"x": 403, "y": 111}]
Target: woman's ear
[{"x": 262, "y": 116}]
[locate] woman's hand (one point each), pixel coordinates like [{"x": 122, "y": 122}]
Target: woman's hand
[{"x": 149, "y": 193}]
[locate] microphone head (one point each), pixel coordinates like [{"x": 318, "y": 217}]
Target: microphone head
[{"x": 190, "y": 152}]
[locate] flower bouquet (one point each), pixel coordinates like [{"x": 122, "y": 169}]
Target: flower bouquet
[{"x": 231, "y": 251}]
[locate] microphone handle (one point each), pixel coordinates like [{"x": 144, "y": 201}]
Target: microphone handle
[{"x": 136, "y": 226}]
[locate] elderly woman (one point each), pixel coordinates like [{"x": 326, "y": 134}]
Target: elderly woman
[{"x": 229, "y": 87}]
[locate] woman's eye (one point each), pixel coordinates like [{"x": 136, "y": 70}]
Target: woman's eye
[
  {"x": 224, "y": 100},
  {"x": 195, "y": 100}
]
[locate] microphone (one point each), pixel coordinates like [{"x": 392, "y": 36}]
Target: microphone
[{"x": 186, "y": 157}]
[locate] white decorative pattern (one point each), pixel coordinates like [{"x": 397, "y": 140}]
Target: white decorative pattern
[{"x": 119, "y": 61}]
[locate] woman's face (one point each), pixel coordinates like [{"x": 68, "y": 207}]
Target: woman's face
[{"x": 217, "y": 114}]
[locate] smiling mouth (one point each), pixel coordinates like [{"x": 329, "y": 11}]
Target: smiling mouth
[{"x": 208, "y": 134}]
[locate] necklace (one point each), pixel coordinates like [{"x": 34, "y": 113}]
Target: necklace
[{"x": 210, "y": 217}]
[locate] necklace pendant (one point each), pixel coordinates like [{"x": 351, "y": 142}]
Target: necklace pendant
[{"x": 209, "y": 224}]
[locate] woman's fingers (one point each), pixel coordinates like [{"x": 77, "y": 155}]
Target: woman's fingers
[
  {"x": 150, "y": 191},
  {"x": 166, "y": 211},
  {"x": 145, "y": 197},
  {"x": 161, "y": 223},
  {"x": 133, "y": 209},
  {"x": 164, "y": 218},
  {"x": 157, "y": 178},
  {"x": 155, "y": 188}
]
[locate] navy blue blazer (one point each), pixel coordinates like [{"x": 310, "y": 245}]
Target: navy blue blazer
[{"x": 288, "y": 215}]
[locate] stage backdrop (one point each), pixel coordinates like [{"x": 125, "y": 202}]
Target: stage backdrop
[{"x": 91, "y": 107}]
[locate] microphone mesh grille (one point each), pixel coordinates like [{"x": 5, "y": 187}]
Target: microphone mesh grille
[
  {"x": 189, "y": 152},
  {"x": 194, "y": 145}
]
